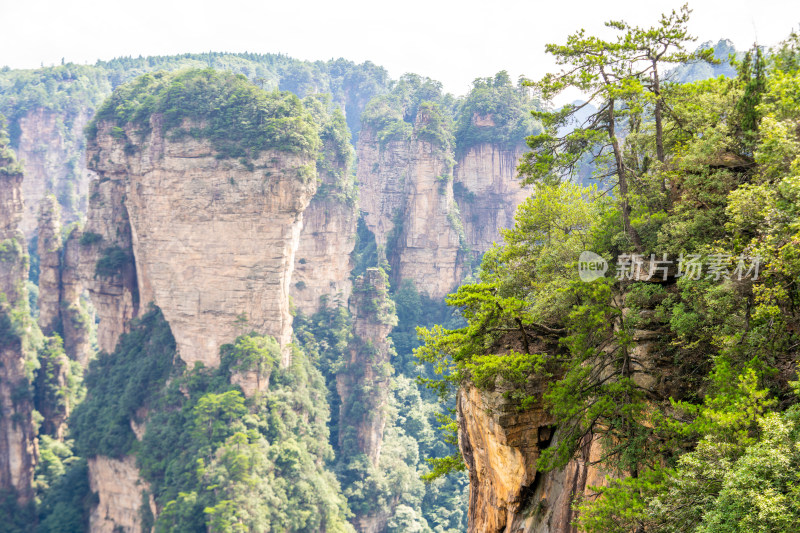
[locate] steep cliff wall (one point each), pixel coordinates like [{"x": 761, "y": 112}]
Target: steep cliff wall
[
  {"x": 407, "y": 198},
  {"x": 51, "y": 146},
  {"x": 120, "y": 495},
  {"x": 49, "y": 249},
  {"x": 500, "y": 445},
  {"x": 323, "y": 263},
  {"x": 323, "y": 260},
  {"x": 211, "y": 241},
  {"x": 17, "y": 435},
  {"x": 103, "y": 261},
  {"x": 363, "y": 382},
  {"x": 488, "y": 192}
]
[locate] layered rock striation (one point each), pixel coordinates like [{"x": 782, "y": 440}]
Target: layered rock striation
[
  {"x": 52, "y": 147},
  {"x": 323, "y": 261},
  {"x": 500, "y": 445},
  {"x": 210, "y": 241},
  {"x": 488, "y": 192},
  {"x": 407, "y": 199}
]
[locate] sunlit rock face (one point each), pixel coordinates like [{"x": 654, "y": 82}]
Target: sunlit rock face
[
  {"x": 433, "y": 217},
  {"x": 119, "y": 490},
  {"x": 323, "y": 260},
  {"x": 210, "y": 241},
  {"x": 488, "y": 192},
  {"x": 406, "y": 195}
]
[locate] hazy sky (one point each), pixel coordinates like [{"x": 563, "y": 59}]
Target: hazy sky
[{"x": 454, "y": 42}]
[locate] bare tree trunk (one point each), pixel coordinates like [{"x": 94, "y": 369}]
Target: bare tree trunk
[
  {"x": 622, "y": 178},
  {"x": 658, "y": 110}
]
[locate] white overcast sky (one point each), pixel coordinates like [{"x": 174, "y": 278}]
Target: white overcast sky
[{"x": 451, "y": 41}]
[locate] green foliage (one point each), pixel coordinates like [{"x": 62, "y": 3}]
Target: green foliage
[
  {"x": 409, "y": 435},
  {"x": 415, "y": 107},
  {"x": 16, "y": 518},
  {"x": 253, "y": 353},
  {"x": 217, "y": 460},
  {"x": 62, "y": 481},
  {"x": 89, "y": 238},
  {"x": 365, "y": 252},
  {"x": 121, "y": 383},
  {"x": 683, "y": 382},
  {"x": 238, "y": 118},
  {"x": 495, "y": 112},
  {"x": 8, "y": 159},
  {"x": 58, "y": 385},
  {"x": 112, "y": 262}
]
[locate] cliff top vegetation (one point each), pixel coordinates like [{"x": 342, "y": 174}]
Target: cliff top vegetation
[{"x": 239, "y": 119}]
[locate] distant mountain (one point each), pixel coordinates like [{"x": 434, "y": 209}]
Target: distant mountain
[{"x": 697, "y": 71}]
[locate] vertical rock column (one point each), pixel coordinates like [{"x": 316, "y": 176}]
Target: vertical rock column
[
  {"x": 210, "y": 241},
  {"x": 60, "y": 307},
  {"x": 51, "y": 144},
  {"x": 488, "y": 192},
  {"x": 363, "y": 384},
  {"x": 49, "y": 248},
  {"x": 407, "y": 198},
  {"x": 17, "y": 436}
]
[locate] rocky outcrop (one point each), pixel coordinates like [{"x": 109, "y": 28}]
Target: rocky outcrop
[
  {"x": 52, "y": 147},
  {"x": 17, "y": 435},
  {"x": 210, "y": 241},
  {"x": 323, "y": 260},
  {"x": 105, "y": 265},
  {"x": 407, "y": 199},
  {"x": 500, "y": 445},
  {"x": 49, "y": 248},
  {"x": 121, "y": 493},
  {"x": 488, "y": 192},
  {"x": 62, "y": 309},
  {"x": 363, "y": 382},
  {"x": 77, "y": 318}
]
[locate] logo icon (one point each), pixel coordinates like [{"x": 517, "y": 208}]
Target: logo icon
[{"x": 591, "y": 266}]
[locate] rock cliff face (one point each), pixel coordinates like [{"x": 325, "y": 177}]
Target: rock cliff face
[
  {"x": 49, "y": 249},
  {"x": 107, "y": 238},
  {"x": 210, "y": 241},
  {"x": 52, "y": 148},
  {"x": 363, "y": 383},
  {"x": 500, "y": 446},
  {"x": 406, "y": 193},
  {"x": 488, "y": 192},
  {"x": 119, "y": 489},
  {"x": 17, "y": 435},
  {"x": 323, "y": 260}
]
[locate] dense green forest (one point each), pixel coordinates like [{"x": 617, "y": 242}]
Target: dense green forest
[{"x": 695, "y": 208}]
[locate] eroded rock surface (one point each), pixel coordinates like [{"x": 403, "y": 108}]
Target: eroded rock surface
[
  {"x": 488, "y": 192},
  {"x": 406, "y": 194},
  {"x": 500, "y": 445},
  {"x": 52, "y": 148},
  {"x": 210, "y": 241},
  {"x": 17, "y": 435},
  {"x": 120, "y": 492}
]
